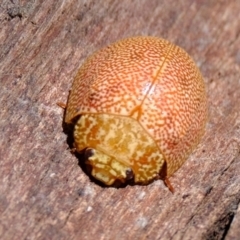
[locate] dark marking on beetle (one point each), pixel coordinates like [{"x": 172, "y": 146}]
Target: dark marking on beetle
[
  {"x": 129, "y": 174},
  {"x": 89, "y": 152}
]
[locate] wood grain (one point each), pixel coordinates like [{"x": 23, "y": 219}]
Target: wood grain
[{"x": 44, "y": 194}]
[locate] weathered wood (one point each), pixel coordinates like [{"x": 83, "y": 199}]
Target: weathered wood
[{"x": 44, "y": 194}]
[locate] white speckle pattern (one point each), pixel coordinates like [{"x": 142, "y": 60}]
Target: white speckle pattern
[
  {"x": 89, "y": 191},
  {"x": 141, "y": 195},
  {"x": 89, "y": 209},
  {"x": 52, "y": 175},
  {"x": 141, "y": 222}
]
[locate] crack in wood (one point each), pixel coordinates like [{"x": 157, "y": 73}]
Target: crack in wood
[{"x": 221, "y": 227}]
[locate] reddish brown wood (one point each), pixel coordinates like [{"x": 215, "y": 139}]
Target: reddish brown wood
[{"x": 44, "y": 194}]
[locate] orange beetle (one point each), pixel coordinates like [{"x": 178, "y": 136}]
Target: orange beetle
[{"x": 139, "y": 109}]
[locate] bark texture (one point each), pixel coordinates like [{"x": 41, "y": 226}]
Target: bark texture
[{"x": 44, "y": 194}]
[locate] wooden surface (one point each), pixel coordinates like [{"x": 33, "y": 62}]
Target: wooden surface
[{"x": 44, "y": 194}]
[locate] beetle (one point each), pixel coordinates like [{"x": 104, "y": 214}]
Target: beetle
[{"x": 139, "y": 109}]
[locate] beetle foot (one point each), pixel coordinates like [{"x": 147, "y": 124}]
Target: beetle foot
[
  {"x": 62, "y": 105},
  {"x": 168, "y": 184}
]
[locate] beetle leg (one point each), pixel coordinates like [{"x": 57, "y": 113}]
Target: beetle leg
[
  {"x": 168, "y": 184},
  {"x": 62, "y": 105},
  {"x": 163, "y": 175}
]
